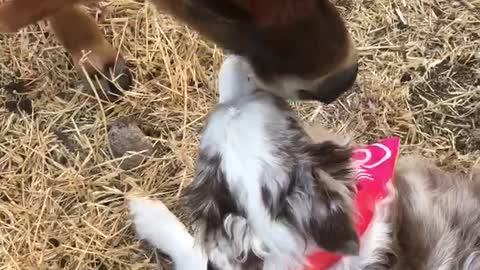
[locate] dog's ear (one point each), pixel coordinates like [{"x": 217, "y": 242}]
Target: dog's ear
[
  {"x": 333, "y": 158},
  {"x": 208, "y": 197},
  {"x": 328, "y": 153},
  {"x": 331, "y": 222},
  {"x": 320, "y": 208}
]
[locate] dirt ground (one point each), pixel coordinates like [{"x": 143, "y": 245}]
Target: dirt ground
[{"x": 62, "y": 194}]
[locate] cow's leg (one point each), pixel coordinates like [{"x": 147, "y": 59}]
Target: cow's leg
[
  {"x": 98, "y": 62},
  {"x": 16, "y": 14},
  {"x": 102, "y": 67}
]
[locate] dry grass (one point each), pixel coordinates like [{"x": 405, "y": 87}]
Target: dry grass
[{"x": 61, "y": 193}]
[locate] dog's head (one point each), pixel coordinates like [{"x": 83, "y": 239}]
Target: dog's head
[
  {"x": 297, "y": 49},
  {"x": 262, "y": 184}
]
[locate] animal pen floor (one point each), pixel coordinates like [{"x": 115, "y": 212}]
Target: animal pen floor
[{"x": 62, "y": 195}]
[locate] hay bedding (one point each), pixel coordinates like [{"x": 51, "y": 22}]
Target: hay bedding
[{"x": 62, "y": 192}]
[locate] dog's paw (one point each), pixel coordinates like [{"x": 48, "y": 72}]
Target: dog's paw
[{"x": 153, "y": 221}]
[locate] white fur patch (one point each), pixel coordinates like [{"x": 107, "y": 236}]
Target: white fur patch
[
  {"x": 234, "y": 81},
  {"x": 248, "y": 161},
  {"x": 163, "y": 230}
]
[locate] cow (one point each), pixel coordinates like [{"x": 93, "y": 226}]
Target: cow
[{"x": 297, "y": 49}]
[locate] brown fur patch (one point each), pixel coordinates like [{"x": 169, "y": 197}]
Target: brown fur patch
[
  {"x": 16, "y": 14},
  {"x": 269, "y": 13},
  {"x": 281, "y": 39}
]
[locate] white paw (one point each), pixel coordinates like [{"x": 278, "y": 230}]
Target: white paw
[
  {"x": 148, "y": 216},
  {"x": 156, "y": 224}
]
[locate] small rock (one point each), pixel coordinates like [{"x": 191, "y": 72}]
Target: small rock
[
  {"x": 406, "y": 77},
  {"x": 18, "y": 106},
  {"x": 66, "y": 140},
  {"x": 16, "y": 88},
  {"x": 53, "y": 242},
  {"x": 126, "y": 139},
  {"x": 63, "y": 262}
]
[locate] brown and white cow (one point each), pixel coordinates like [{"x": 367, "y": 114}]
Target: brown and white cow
[{"x": 300, "y": 49}]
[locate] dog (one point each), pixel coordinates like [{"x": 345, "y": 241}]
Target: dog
[
  {"x": 261, "y": 187},
  {"x": 266, "y": 194},
  {"x": 299, "y": 49},
  {"x": 436, "y": 219}
]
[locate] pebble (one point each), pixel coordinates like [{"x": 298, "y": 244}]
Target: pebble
[{"x": 127, "y": 139}]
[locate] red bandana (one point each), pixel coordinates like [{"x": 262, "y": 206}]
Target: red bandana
[{"x": 376, "y": 167}]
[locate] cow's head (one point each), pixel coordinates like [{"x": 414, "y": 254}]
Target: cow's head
[{"x": 299, "y": 49}]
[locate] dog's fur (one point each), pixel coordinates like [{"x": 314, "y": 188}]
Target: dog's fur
[
  {"x": 299, "y": 49},
  {"x": 429, "y": 222},
  {"x": 263, "y": 191},
  {"x": 265, "y": 194},
  {"x": 437, "y": 225}
]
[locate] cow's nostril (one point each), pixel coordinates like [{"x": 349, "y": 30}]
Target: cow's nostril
[
  {"x": 332, "y": 87},
  {"x": 336, "y": 84},
  {"x": 307, "y": 95}
]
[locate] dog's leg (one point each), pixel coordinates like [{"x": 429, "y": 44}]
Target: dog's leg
[
  {"x": 162, "y": 229},
  {"x": 102, "y": 67}
]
